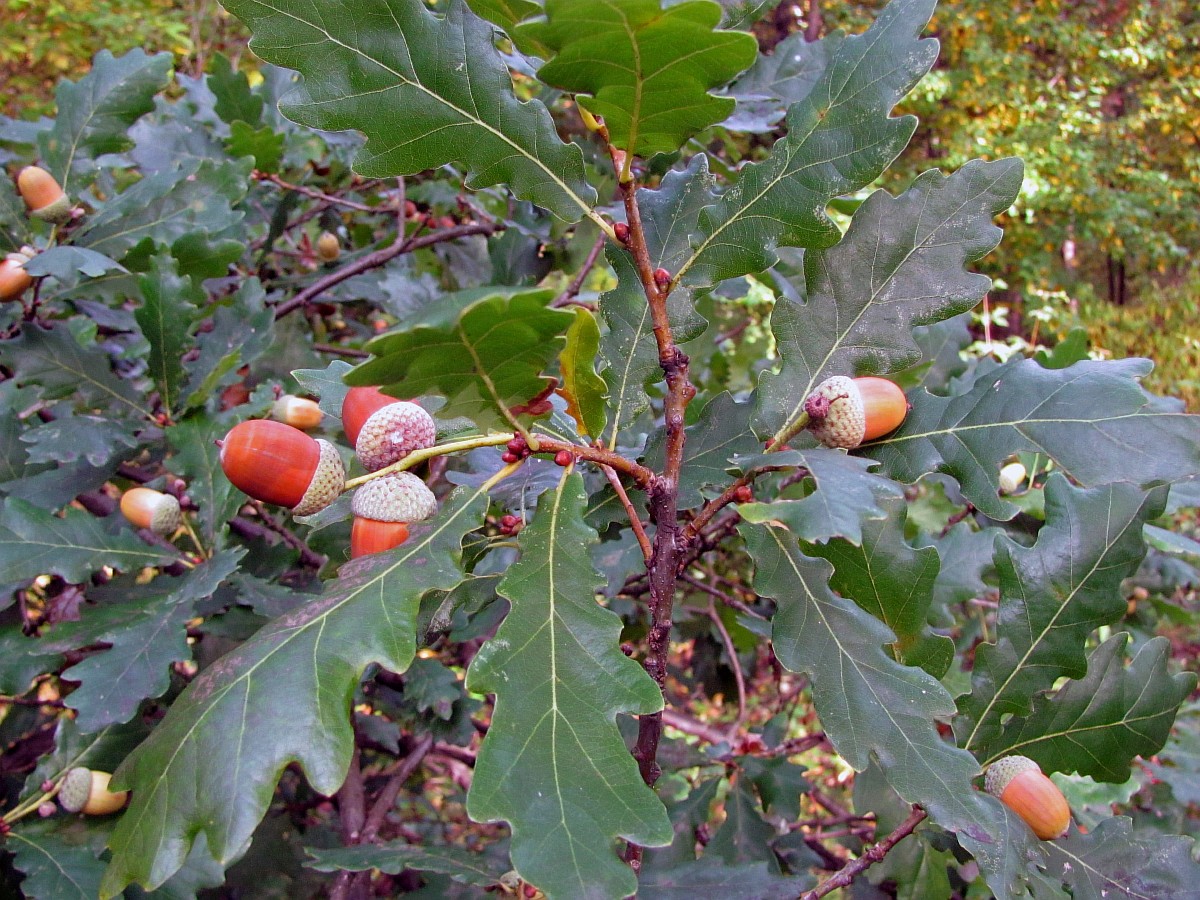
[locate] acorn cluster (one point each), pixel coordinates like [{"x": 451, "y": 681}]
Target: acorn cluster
[
  {"x": 46, "y": 201},
  {"x": 275, "y": 461}
]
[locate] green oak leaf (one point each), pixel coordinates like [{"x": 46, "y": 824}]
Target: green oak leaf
[
  {"x": 443, "y": 72},
  {"x": 1115, "y": 861},
  {"x": 1093, "y": 419},
  {"x": 791, "y": 70},
  {"x": 1053, "y": 595},
  {"x": 585, "y": 389},
  {"x": 846, "y": 496},
  {"x": 53, "y": 359},
  {"x": 902, "y": 263},
  {"x": 721, "y": 433},
  {"x": 553, "y": 763},
  {"x": 669, "y": 214},
  {"x": 210, "y": 767},
  {"x": 645, "y": 69},
  {"x": 874, "y": 708},
  {"x": 243, "y": 329},
  {"x": 487, "y": 360},
  {"x": 712, "y": 877},
  {"x": 169, "y": 305},
  {"x": 54, "y": 868},
  {"x": 264, "y": 144},
  {"x": 14, "y": 218},
  {"x": 65, "y": 263},
  {"x": 235, "y": 101},
  {"x": 840, "y": 138},
  {"x": 92, "y": 438},
  {"x": 199, "y": 195},
  {"x": 394, "y": 857},
  {"x": 151, "y": 635},
  {"x": 1095, "y": 726},
  {"x": 745, "y": 835},
  {"x": 94, "y": 113},
  {"x": 893, "y": 581},
  {"x": 628, "y": 347},
  {"x": 34, "y": 542}
]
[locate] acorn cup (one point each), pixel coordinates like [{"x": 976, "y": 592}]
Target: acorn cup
[
  {"x": 845, "y": 412},
  {"x": 383, "y": 429},
  {"x": 279, "y": 464}
]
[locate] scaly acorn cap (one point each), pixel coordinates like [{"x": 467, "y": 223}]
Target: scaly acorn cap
[
  {"x": 327, "y": 482},
  {"x": 399, "y": 497},
  {"x": 392, "y": 432}
]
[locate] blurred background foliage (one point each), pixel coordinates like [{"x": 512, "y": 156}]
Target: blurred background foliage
[{"x": 1101, "y": 98}]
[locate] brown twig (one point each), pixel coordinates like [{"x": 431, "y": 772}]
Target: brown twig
[
  {"x": 731, "y": 602},
  {"x": 868, "y": 858},
  {"x": 643, "y": 477},
  {"x": 387, "y": 797},
  {"x": 341, "y": 351},
  {"x": 381, "y": 257},
  {"x": 568, "y": 296},
  {"x": 735, "y": 664},
  {"x": 308, "y": 556},
  {"x": 315, "y": 194},
  {"x": 638, "y": 529}
]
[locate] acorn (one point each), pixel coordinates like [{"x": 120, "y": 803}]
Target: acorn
[
  {"x": 148, "y": 508},
  {"x": 299, "y": 412},
  {"x": 383, "y": 429},
  {"x": 279, "y": 464},
  {"x": 845, "y": 412},
  {"x": 1012, "y": 477},
  {"x": 14, "y": 280},
  {"x": 43, "y": 195},
  {"x": 86, "y": 791},
  {"x": 329, "y": 248},
  {"x": 1019, "y": 783},
  {"x": 383, "y": 509}
]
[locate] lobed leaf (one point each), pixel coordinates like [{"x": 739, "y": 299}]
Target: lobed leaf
[
  {"x": 170, "y": 303},
  {"x": 1097, "y": 725},
  {"x": 211, "y": 765},
  {"x": 1092, "y": 419},
  {"x": 902, "y": 263},
  {"x": 840, "y": 138},
  {"x": 484, "y": 361},
  {"x": 449, "y": 94},
  {"x": 394, "y": 857},
  {"x": 553, "y": 763},
  {"x": 874, "y": 708},
  {"x": 1114, "y": 861},
  {"x": 95, "y": 113},
  {"x": 645, "y": 69},
  {"x": 1052, "y": 596}
]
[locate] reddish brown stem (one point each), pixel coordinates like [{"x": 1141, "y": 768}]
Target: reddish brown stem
[{"x": 869, "y": 857}]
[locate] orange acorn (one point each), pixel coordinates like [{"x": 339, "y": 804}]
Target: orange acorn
[
  {"x": 383, "y": 429},
  {"x": 1019, "y": 783},
  {"x": 148, "y": 508},
  {"x": 279, "y": 464},
  {"x": 86, "y": 791},
  {"x": 845, "y": 412},
  {"x": 43, "y": 195},
  {"x": 299, "y": 412},
  {"x": 14, "y": 280},
  {"x": 383, "y": 509}
]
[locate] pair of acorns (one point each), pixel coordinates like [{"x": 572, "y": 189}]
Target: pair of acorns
[
  {"x": 46, "y": 201},
  {"x": 276, "y": 462}
]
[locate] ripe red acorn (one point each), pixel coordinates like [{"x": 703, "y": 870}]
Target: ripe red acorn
[
  {"x": 383, "y": 429},
  {"x": 279, "y": 464},
  {"x": 148, "y": 508},
  {"x": 383, "y": 509},
  {"x": 299, "y": 412},
  {"x": 43, "y": 195},
  {"x": 845, "y": 412},
  {"x": 1019, "y": 783}
]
